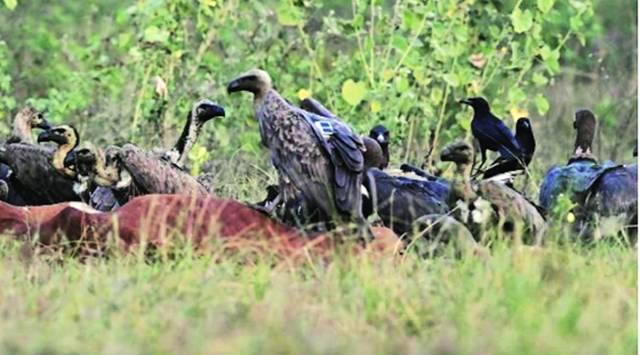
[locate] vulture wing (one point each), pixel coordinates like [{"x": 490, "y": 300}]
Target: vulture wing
[
  {"x": 33, "y": 176},
  {"x": 155, "y": 176}
]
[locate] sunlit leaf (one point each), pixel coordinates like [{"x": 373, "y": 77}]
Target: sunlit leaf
[
  {"x": 289, "y": 15},
  {"x": 521, "y": 20},
  {"x": 542, "y": 105},
  {"x": 353, "y": 92},
  {"x": 518, "y": 112},
  {"x": 153, "y": 34},
  {"x": 545, "y": 5},
  {"x": 376, "y": 106},
  {"x": 11, "y": 4}
]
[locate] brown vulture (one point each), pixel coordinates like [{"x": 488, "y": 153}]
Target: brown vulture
[
  {"x": 25, "y": 121},
  {"x": 38, "y": 172},
  {"x": 490, "y": 201},
  {"x": 320, "y": 157}
]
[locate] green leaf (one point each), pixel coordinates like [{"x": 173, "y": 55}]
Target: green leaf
[
  {"x": 451, "y": 79},
  {"x": 11, "y": 4},
  {"x": 545, "y": 5},
  {"x": 521, "y": 20},
  {"x": 539, "y": 79},
  {"x": 542, "y": 105},
  {"x": 154, "y": 34},
  {"x": 353, "y": 92},
  {"x": 289, "y": 15}
]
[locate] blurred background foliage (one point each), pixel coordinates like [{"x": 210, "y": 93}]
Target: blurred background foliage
[{"x": 102, "y": 65}]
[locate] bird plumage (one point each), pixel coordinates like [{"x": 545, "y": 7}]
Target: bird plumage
[
  {"x": 402, "y": 200},
  {"x": 491, "y": 133},
  {"x": 319, "y": 157}
]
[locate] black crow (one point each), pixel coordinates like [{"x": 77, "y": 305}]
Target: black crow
[
  {"x": 491, "y": 133},
  {"x": 526, "y": 140},
  {"x": 382, "y": 135}
]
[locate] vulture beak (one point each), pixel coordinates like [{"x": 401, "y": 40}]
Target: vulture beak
[
  {"x": 43, "y": 124},
  {"x": 380, "y": 138},
  {"x": 235, "y": 85},
  {"x": 70, "y": 159},
  {"x": 213, "y": 110},
  {"x": 51, "y": 136}
]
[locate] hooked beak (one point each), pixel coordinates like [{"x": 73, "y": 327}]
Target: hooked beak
[
  {"x": 51, "y": 136},
  {"x": 43, "y": 124},
  {"x": 70, "y": 159},
  {"x": 215, "y": 110},
  {"x": 234, "y": 86}
]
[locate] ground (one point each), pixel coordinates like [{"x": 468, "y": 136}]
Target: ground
[{"x": 561, "y": 299}]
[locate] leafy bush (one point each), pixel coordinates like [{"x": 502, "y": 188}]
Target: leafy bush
[{"x": 404, "y": 63}]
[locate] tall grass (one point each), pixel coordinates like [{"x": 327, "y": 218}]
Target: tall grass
[{"x": 561, "y": 299}]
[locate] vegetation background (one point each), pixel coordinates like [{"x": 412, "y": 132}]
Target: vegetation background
[{"x": 405, "y": 63}]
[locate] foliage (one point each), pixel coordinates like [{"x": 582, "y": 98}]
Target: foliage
[{"x": 405, "y": 63}]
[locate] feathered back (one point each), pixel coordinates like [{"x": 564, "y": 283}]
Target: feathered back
[
  {"x": 34, "y": 177},
  {"x": 154, "y": 176}
]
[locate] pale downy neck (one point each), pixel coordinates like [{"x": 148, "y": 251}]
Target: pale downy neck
[
  {"x": 461, "y": 188},
  {"x": 58, "y": 159},
  {"x": 22, "y": 129}
]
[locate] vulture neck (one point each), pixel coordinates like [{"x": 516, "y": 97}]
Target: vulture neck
[
  {"x": 461, "y": 188},
  {"x": 58, "y": 159},
  {"x": 261, "y": 94},
  {"x": 22, "y": 129},
  {"x": 187, "y": 139},
  {"x": 103, "y": 177}
]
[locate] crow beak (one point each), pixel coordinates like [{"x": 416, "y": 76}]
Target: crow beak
[
  {"x": 380, "y": 139},
  {"x": 466, "y": 102},
  {"x": 50, "y": 136}
]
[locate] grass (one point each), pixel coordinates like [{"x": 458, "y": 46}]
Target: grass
[{"x": 561, "y": 299}]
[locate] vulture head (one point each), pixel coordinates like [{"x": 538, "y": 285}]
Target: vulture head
[
  {"x": 32, "y": 118},
  {"x": 256, "y": 81},
  {"x": 585, "y": 125},
  {"x": 479, "y": 104},
  {"x": 373, "y": 156},
  {"x": 67, "y": 139},
  {"x": 83, "y": 160},
  {"x": 204, "y": 110},
  {"x": 65, "y": 135},
  {"x": 459, "y": 152},
  {"x": 27, "y": 119}
]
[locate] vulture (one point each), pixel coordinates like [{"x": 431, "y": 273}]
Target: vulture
[
  {"x": 130, "y": 171},
  {"x": 119, "y": 174},
  {"x": 38, "y": 173},
  {"x": 491, "y": 133},
  {"x": 319, "y": 157},
  {"x": 605, "y": 189},
  {"x": 201, "y": 112},
  {"x": 25, "y": 121},
  {"x": 402, "y": 200},
  {"x": 488, "y": 201}
]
